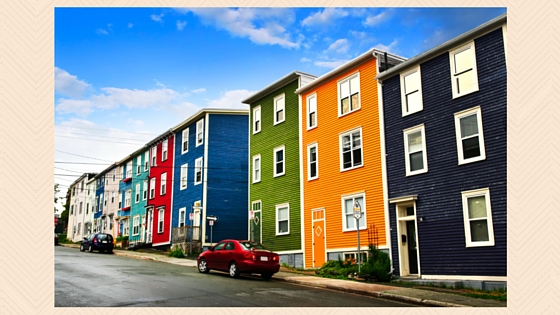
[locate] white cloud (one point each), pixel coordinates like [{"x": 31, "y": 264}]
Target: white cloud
[
  {"x": 331, "y": 64},
  {"x": 305, "y": 59},
  {"x": 136, "y": 122},
  {"x": 201, "y": 90},
  {"x": 181, "y": 25},
  {"x": 374, "y": 20},
  {"x": 261, "y": 26},
  {"x": 67, "y": 84},
  {"x": 101, "y": 31},
  {"x": 130, "y": 25},
  {"x": 324, "y": 18},
  {"x": 157, "y": 17},
  {"x": 231, "y": 99},
  {"x": 340, "y": 46},
  {"x": 388, "y": 48}
]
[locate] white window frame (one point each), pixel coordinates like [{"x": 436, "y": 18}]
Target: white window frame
[
  {"x": 458, "y": 116},
  {"x": 281, "y": 206},
  {"x": 135, "y": 225},
  {"x": 185, "y": 140},
  {"x": 120, "y": 200},
  {"x": 341, "y": 147},
  {"x": 339, "y": 94},
  {"x": 309, "y": 147},
  {"x": 138, "y": 165},
  {"x": 163, "y": 184},
  {"x": 474, "y": 70},
  {"x": 183, "y": 214},
  {"x": 161, "y": 217},
  {"x": 137, "y": 195},
  {"x": 127, "y": 198},
  {"x": 311, "y": 110},
  {"x": 184, "y": 176},
  {"x": 129, "y": 169},
  {"x": 145, "y": 190},
  {"x": 363, "y": 210},
  {"x": 112, "y": 197},
  {"x": 477, "y": 193},
  {"x": 257, "y": 172},
  {"x": 115, "y": 174},
  {"x": 278, "y": 109},
  {"x": 146, "y": 160},
  {"x": 200, "y": 132},
  {"x": 406, "y": 133},
  {"x": 404, "y": 92},
  {"x": 198, "y": 169},
  {"x": 257, "y": 120},
  {"x": 277, "y": 149},
  {"x": 154, "y": 155},
  {"x": 152, "y": 188},
  {"x": 164, "y": 147}
]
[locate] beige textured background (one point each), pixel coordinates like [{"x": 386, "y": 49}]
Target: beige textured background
[{"x": 27, "y": 156}]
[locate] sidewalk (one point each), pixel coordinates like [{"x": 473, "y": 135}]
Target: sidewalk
[{"x": 403, "y": 294}]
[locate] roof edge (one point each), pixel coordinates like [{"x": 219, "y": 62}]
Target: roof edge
[
  {"x": 208, "y": 110},
  {"x": 276, "y": 85}
]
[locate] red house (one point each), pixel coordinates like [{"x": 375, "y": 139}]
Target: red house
[{"x": 160, "y": 190}]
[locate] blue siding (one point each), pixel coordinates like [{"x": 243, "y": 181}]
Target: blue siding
[
  {"x": 100, "y": 189},
  {"x": 441, "y": 236}
]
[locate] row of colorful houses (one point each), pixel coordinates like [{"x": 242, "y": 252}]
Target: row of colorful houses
[{"x": 417, "y": 148}]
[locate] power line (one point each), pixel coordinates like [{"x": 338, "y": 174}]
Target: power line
[
  {"x": 87, "y": 134},
  {"x": 145, "y": 133},
  {"x": 89, "y": 139},
  {"x": 83, "y": 156}
]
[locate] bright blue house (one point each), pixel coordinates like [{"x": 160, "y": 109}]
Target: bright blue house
[
  {"x": 445, "y": 146},
  {"x": 211, "y": 174},
  {"x": 125, "y": 196}
]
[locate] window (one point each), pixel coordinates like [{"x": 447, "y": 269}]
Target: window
[
  {"x": 464, "y": 77},
  {"x": 112, "y": 197},
  {"x": 182, "y": 214},
  {"x": 477, "y": 214},
  {"x": 129, "y": 169},
  {"x": 470, "y": 140},
  {"x": 282, "y": 219},
  {"x": 137, "y": 195},
  {"x": 121, "y": 173},
  {"x": 279, "y": 168},
  {"x": 184, "y": 170},
  {"x": 72, "y": 209},
  {"x": 114, "y": 175},
  {"x": 154, "y": 155},
  {"x": 256, "y": 119},
  {"x": 351, "y": 149},
  {"x": 164, "y": 150},
  {"x": 185, "y": 139},
  {"x": 152, "y": 188},
  {"x": 198, "y": 171},
  {"x": 135, "y": 225},
  {"x": 105, "y": 201},
  {"x": 127, "y": 197},
  {"x": 199, "y": 132},
  {"x": 312, "y": 164},
  {"x": 80, "y": 208},
  {"x": 106, "y": 180},
  {"x": 138, "y": 165},
  {"x": 312, "y": 111},
  {"x": 87, "y": 208},
  {"x": 160, "y": 221},
  {"x": 354, "y": 255},
  {"x": 279, "y": 109},
  {"x": 416, "y": 160},
  {"x": 411, "y": 91},
  {"x": 256, "y": 168},
  {"x": 146, "y": 160},
  {"x": 162, "y": 184},
  {"x": 145, "y": 190},
  {"x": 73, "y": 191},
  {"x": 120, "y": 199},
  {"x": 349, "y": 94},
  {"x": 349, "y": 221}
]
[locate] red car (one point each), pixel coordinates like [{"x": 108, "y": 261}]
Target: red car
[{"x": 236, "y": 257}]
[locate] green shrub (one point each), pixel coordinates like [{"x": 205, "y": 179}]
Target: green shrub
[
  {"x": 122, "y": 238},
  {"x": 378, "y": 264},
  {"x": 177, "y": 253}
]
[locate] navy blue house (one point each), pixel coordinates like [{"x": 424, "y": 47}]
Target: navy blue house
[
  {"x": 210, "y": 174},
  {"x": 445, "y": 143}
]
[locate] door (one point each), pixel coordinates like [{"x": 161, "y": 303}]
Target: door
[
  {"x": 318, "y": 237},
  {"x": 196, "y": 225},
  {"x": 407, "y": 240},
  {"x": 149, "y": 226},
  {"x": 411, "y": 247},
  {"x": 256, "y": 227}
]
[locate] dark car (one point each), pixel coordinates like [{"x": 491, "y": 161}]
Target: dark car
[
  {"x": 98, "y": 241},
  {"x": 236, "y": 257},
  {"x": 55, "y": 239}
]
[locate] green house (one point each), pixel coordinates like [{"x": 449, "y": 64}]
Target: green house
[{"x": 275, "y": 175}]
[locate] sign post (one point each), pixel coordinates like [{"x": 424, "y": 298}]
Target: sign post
[
  {"x": 211, "y": 219},
  {"x": 358, "y": 216}
]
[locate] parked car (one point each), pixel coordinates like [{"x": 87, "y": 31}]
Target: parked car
[
  {"x": 98, "y": 241},
  {"x": 236, "y": 257},
  {"x": 55, "y": 239}
]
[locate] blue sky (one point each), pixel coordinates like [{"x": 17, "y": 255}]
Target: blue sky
[{"x": 125, "y": 75}]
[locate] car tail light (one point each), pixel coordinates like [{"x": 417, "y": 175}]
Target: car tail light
[
  {"x": 275, "y": 258},
  {"x": 95, "y": 240},
  {"x": 249, "y": 255}
]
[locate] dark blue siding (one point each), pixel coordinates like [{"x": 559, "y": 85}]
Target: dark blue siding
[{"x": 441, "y": 236}]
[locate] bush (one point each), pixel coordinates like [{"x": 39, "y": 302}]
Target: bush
[
  {"x": 177, "y": 253},
  {"x": 122, "y": 238}
]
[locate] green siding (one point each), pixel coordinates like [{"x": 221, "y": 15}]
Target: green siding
[{"x": 272, "y": 190}]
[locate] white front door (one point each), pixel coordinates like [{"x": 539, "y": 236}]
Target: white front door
[
  {"x": 196, "y": 225},
  {"x": 149, "y": 223},
  {"x": 409, "y": 262}
]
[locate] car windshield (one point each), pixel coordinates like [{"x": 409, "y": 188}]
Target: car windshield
[{"x": 252, "y": 245}]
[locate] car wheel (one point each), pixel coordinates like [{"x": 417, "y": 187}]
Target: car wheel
[
  {"x": 90, "y": 249},
  {"x": 266, "y": 276},
  {"x": 202, "y": 266},
  {"x": 233, "y": 271},
  {"x": 82, "y": 248}
]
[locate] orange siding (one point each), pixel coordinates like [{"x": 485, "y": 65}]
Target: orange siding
[{"x": 327, "y": 191}]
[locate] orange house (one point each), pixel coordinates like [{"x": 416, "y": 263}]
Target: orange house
[{"x": 341, "y": 161}]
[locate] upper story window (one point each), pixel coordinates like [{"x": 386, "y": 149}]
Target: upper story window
[
  {"x": 411, "y": 91},
  {"x": 348, "y": 205},
  {"x": 129, "y": 169},
  {"x": 279, "y": 161},
  {"x": 164, "y": 150},
  {"x": 162, "y": 184},
  {"x": 464, "y": 76},
  {"x": 477, "y": 214},
  {"x": 351, "y": 155},
  {"x": 470, "y": 140},
  {"x": 120, "y": 199},
  {"x": 279, "y": 109},
  {"x": 185, "y": 139},
  {"x": 312, "y": 111},
  {"x": 154, "y": 155},
  {"x": 199, "y": 132},
  {"x": 349, "y": 94},
  {"x": 145, "y": 190},
  {"x": 137, "y": 194},
  {"x": 257, "y": 119},
  {"x": 184, "y": 170},
  {"x": 198, "y": 171},
  {"x": 152, "y": 188},
  {"x": 138, "y": 165},
  {"x": 127, "y": 197},
  {"x": 312, "y": 163},
  {"x": 115, "y": 174},
  {"x": 416, "y": 160},
  {"x": 146, "y": 160},
  {"x": 256, "y": 168}
]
